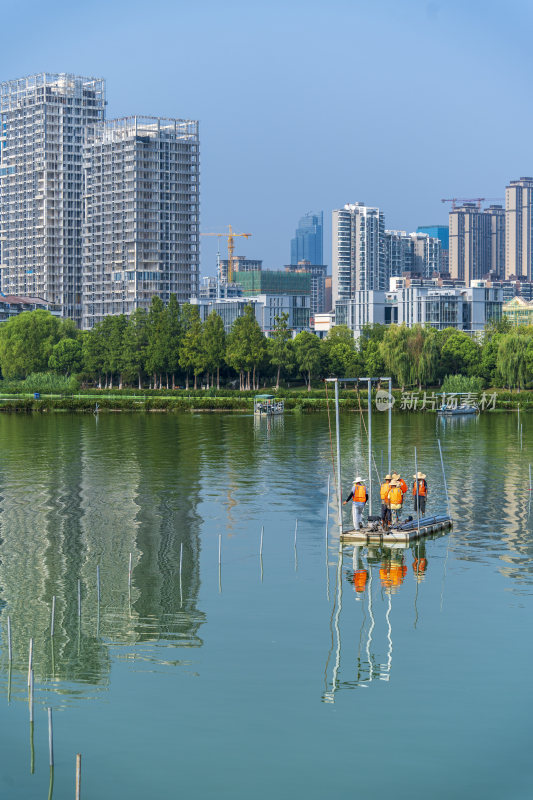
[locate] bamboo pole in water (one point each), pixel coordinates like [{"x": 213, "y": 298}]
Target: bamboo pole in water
[
  {"x": 417, "y": 495},
  {"x": 50, "y": 738},
  {"x": 52, "y": 623},
  {"x": 10, "y": 649},
  {"x": 30, "y": 661},
  {"x": 78, "y": 776},
  {"x": 444, "y": 477},
  {"x": 129, "y": 574},
  {"x": 79, "y": 598},
  {"x": 261, "y": 542}
]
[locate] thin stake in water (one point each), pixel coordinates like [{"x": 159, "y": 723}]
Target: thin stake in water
[
  {"x": 219, "y": 549},
  {"x": 181, "y": 566},
  {"x": 78, "y": 776},
  {"x": 79, "y": 598},
  {"x": 30, "y": 661},
  {"x": 295, "y": 532},
  {"x": 261, "y": 542},
  {"x": 417, "y": 495},
  {"x": 10, "y": 649},
  {"x": 50, "y": 738},
  {"x": 31, "y": 697},
  {"x": 98, "y": 583},
  {"x": 529, "y": 490},
  {"x": 53, "y": 615}
]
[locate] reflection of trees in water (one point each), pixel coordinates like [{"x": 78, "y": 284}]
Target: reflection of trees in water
[{"x": 75, "y": 494}]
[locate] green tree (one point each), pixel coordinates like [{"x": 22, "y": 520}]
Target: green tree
[
  {"x": 66, "y": 356},
  {"x": 513, "y": 360},
  {"x": 246, "y": 347},
  {"x": 396, "y": 354},
  {"x": 308, "y": 355},
  {"x": 460, "y": 354},
  {"x": 280, "y": 346},
  {"x": 27, "y": 341},
  {"x": 214, "y": 345},
  {"x": 192, "y": 356},
  {"x": 156, "y": 350},
  {"x": 93, "y": 354},
  {"x": 173, "y": 337},
  {"x": 134, "y": 343}
]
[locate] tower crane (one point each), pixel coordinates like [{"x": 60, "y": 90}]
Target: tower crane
[
  {"x": 478, "y": 200},
  {"x": 231, "y": 247}
]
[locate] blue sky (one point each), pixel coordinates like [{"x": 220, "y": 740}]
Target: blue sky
[{"x": 305, "y": 105}]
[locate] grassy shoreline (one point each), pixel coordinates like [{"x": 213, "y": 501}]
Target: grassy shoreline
[{"x": 170, "y": 401}]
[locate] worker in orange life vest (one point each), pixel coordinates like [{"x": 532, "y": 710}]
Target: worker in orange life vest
[
  {"x": 359, "y": 495},
  {"x": 395, "y": 500},
  {"x": 422, "y": 492},
  {"x": 402, "y": 484},
  {"x": 384, "y": 492}
]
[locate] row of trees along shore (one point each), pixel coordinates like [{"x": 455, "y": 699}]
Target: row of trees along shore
[{"x": 168, "y": 346}]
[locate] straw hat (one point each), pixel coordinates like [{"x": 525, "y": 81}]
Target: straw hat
[
  {"x": 388, "y": 477},
  {"x": 394, "y": 483},
  {"x": 420, "y": 475},
  {"x": 357, "y": 480}
]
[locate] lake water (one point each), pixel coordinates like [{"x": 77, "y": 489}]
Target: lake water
[{"x": 278, "y": 679}]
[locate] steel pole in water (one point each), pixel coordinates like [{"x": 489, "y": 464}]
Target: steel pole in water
[
  {"x": 30, "y": 661},
  {"x": 327, "y": 510},
  {"x": 10, "y": 649},
  {"x": 50, "y": 738},
  {"x": 390, "y": 425},
  {"x": 79, "y": 598},
  {"x": 444, "y": 478},
  {"x": 53, "y": 615},
  {"x": 417, "y": 495},
  {"x": 338, "y": 435},
  {"x": 78, "y": 776},
  {"x": 369, "y": 447}
]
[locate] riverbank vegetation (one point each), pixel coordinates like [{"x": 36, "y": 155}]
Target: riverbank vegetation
[{"x": 170, "y": 348}]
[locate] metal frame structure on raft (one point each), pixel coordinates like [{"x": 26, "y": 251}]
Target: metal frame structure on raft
[{"x": 369, "y": 382}]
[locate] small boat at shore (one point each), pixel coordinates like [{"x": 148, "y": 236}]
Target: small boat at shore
[{"x": 449, "y": 410}]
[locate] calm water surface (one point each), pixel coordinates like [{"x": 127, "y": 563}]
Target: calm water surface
[{"x": 286, "y": 678}]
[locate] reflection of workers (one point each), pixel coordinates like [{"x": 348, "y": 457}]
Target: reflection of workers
[
  {"x": 359, "y": 496},
  {"x": 360, "y": 574},
  {"x": 395, "y": 499},
  {"x": 419, "y": 501},
  {"x": 392, "y": 574},
  {"x": 384, "y": 493},
  {"x": 420, "y": 563}
]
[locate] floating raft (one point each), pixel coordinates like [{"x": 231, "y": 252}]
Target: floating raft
[{"x": 406, "y": 532}]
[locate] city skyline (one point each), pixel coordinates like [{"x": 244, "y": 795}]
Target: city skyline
[{"x": 259, "y": 180}]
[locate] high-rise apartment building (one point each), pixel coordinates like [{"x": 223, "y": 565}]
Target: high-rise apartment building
[
  {"x": 398, "y": 253},
  {"x": 411, "y": 252},
  {"x": 141, "y": 215},
  {"x": 519, "y": 228},
  {"x": 44, "y": 119},
  {"x": 307, "y": 244},
  {"x": 470, "y": 241},
  {"x": 442, "y": 233},
  {"x": 496, "y": 215},
  {"x": 358, "y": 250}
]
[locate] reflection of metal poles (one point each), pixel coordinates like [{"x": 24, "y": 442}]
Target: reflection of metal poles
[
  {"x": 369, "y": 446},
  {"x": 372, "y": 624},
  {"x": 417, "y": 495},
  {"x": 389, "y": 637},
  {"x": 337, "y": 628},
  {"x": 338, "y": 435},
  {"x": 390, "y": 424},
  {"x": 444, "y": 478}
]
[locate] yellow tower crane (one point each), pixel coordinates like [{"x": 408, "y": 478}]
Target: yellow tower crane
[{"x": 231, "y": 247}]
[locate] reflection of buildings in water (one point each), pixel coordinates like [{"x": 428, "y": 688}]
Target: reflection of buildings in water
[
  {"x": 73, "y": 497},
  {"x": 389, "y": 566}
]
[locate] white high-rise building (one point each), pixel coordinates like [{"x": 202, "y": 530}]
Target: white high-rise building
[
  {"x": 519, "y": 228},
  {"x": 358, "y": 251},
  {"x": 43, "y": 121},
  {"x": 141, "y": 215}
]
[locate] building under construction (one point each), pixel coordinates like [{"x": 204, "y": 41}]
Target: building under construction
[
  {"x": 44, "y": 119},
  {"x": 141, "y": 215}
]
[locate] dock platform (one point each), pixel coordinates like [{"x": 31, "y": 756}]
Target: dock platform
[{"x": 405, "y": 533}]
